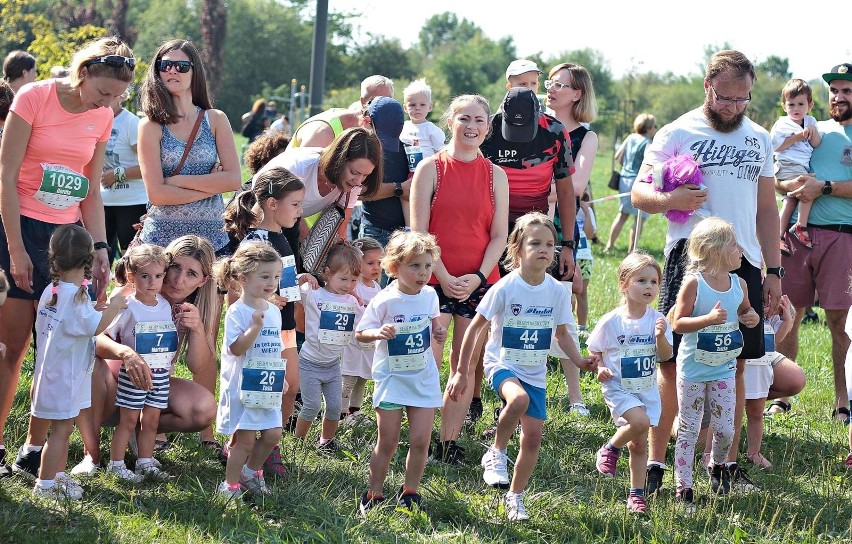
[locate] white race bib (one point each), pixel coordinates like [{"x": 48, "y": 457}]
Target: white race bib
[
  {"x": 337, "y": 323},
  {"x": 157, "y": 343},
  {"x": 526, "y": 340},
  {"x": 638, "y": 366},
  {"x": 409, "y": 350},
  {"x": 61, "y": 187},
  {"x": 719, "y": 344},
  {"x": 289, "y": 286},
  {"x": 262, "y": 382},
  {"x": 583, "y": 249}
]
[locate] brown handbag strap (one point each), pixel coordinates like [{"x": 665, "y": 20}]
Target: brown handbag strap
[{"x": 189, "y": 142}]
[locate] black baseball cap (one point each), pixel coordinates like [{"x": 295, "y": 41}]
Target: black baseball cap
[
  {"x": 841, "y": 71},
  {"x": 520, "y": 115}
]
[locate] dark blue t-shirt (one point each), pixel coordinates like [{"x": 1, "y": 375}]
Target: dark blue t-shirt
[{"x": 386, "y": 213}]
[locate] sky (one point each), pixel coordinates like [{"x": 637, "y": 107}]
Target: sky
[{"x": 653, "y": 39}]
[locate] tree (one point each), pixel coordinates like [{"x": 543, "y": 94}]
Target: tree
[
  {"x": 444, "y": 29},
  {"x": 385, "y": 57},
  {"x": 214, "y": 25}
]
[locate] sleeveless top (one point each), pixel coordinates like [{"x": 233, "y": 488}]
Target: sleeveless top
[
  {"x": 329, "y": 117},
  {"x": 203, "y": 217},
  {"x": 577, "y": 136},
  {"x": 462, "y": 211}
]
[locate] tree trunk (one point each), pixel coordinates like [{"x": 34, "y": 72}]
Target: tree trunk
[
  {"x": 214, "y": 19},
  {"x": 117, "y": 23}
]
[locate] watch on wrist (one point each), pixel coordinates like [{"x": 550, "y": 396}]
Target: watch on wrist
[
  {"x": 397, "y": 192},
  {"x": 827, "y": 188},
  {"x": 567, "y": 243},
  {"x": 482, "y": 279},
  {"x": 776, "y": 271},
  {"x": 101, "y": 245}
]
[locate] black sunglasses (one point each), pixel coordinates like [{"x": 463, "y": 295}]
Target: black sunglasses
[
  {"x": 114, "y": 60},
  {"x": 182, "y": 66}
]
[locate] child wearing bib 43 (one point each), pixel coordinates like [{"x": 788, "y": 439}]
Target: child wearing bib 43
[
  {"x": 711, "y": 304},
  {"x": 253, "y": 370},
  {"x": 630, "y": 340}
]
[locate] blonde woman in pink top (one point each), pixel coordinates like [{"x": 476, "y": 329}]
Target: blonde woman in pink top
[{"x": 53, "y": 147}]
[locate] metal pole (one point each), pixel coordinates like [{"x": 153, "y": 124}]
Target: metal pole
[{"x": 317, "y": 82}]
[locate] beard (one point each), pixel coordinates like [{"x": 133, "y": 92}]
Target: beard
[
  {"x": 837, "y": 115},
  {"x": 722, "y": 125}
]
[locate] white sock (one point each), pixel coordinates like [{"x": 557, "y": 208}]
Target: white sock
[
  {"x": 247, "y": 472},
  {"x": 119, "y": 463},
  {"x": 27, "y": 448},
  {"x": 144, "y": 461},
  {"x": 60, "y": 474},
  {"x": 45, "y": 484},
  {"x": 324, "y": 441}
]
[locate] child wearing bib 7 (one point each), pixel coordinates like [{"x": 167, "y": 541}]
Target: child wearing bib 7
[
  {"x": 252, "y": 376},
  {"x": 403, "y": 321},
  {"x": 329, "y": 325},
  {"x": 710, "y": 305},
  {"x": 146, "y": 326},
  {"x": 630, "y": 340},
  {"x": 523, "y": 309}
]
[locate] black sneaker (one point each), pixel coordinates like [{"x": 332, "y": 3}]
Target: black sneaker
[
  {"x": 810, "y": 316},
  {"x": 685, "y": 495},
  {"x": 5, "y": 469},
  {"x": 329, "y": 448},
  {"x": 654, "y": 479},
  {"x": 448, "y": 452},
  {"x": 474, "y": 413},
  {"x": 739, "y": 480},
  {"x": 408, "y": 500},
  {"x": 27, "y": 464},
  {"x": 365, "y": 504},
  {"x": 720, "y": 480}
]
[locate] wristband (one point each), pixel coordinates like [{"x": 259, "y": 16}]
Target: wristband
[
  {"x": 482, "y": 279},
  {"x": 567, "y": 243},
  {"x": 120, "y": 174},
  {"x": 101, "y": 245}
]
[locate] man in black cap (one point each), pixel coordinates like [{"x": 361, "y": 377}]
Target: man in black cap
[{"x": 827, "y": 267}]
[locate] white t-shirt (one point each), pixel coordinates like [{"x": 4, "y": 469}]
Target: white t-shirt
[
  {"x": 730, "y": 165},
  {"x": 431, "y": 137},
  {"x": 119, "y": 152},
  {"x": 329, "y": 324},
  {"x": 62, "y": 378},
  {"x": 628, "y": 348},
  {"x": 412, "y": 315},
  {"x": 584, "y": 250},
  {"x": 523, "y": 318},
  {"x": 770, "y": 328},
  {"x": 304, "y": 163},
  {"x": 232, "y": 415},
  {"x": 799, "y": 152},
  {"x": 358, "y": 356},
  {"x": 155, "y": 322}
]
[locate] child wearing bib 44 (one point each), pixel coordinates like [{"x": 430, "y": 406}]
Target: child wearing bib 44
[
  {"x": 630, "y": 340},
  {"x": 146, "y": 326},
  {"x": 253, "y": 370},
  {"x": 523, "y": 309},
  {"x": 403, "y": 319},
  {"x": 710, "y": 305},
  {"x": 329, "y": 324}
]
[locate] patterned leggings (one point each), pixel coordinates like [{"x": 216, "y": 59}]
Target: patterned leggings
[
  {"x": 353, "y": 392},
  {"x": 722, "y": 398}
]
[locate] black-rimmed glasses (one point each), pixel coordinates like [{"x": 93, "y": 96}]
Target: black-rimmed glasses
[
  {"x": 181, "y": 66},
  {"x": 114, "y": 60},
  {"x": 723, "y": 101}
]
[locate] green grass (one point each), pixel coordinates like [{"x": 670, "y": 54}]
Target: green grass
[{"x": 806, "y": 497}]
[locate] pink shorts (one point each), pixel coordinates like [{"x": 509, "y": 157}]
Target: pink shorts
[{"x": 824, "y": 269}]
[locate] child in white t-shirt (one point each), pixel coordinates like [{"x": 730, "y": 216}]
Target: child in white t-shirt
[
  {"x": 523, "y": 309},
  {"x": 358, "y": 356},
  {"x": 630, "y": 340},
  {"x": 417, "y": 131},
  {"x": 403, "y": 320}
]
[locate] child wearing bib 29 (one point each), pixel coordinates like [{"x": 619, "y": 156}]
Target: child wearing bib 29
[
  {"x": 630, "y": 340},
  {"x": 523, "y": 309},
  {"x": 403, "y": 320},
  {"x": 252, "y": 373},
  {"x": 146, "y": 326},
  {"x": 710, "y": 305}
]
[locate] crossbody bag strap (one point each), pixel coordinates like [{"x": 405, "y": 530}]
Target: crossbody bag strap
[{"x": 190, "y": 141}]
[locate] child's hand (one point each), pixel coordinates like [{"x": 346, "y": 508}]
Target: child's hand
[
  {"x": 785, "y": 309},
  {"x": 590, "y": 363},
  {"x": 605, "y": 374},
  {"x": 808, "y": 133},
  {"x": 440, "y": 334},
  {"x": 660, "y": 327},
  {"x": 278, "y": 301},
  {"x": 386, "y": 332},
  {"x": 749, "y": 318},
  {"x": 257, "y": 318},
  {"x": 119, "y": 300},
  {"x": 718, "y": 315},
  {"x": 309, "y": 279},
  {"x": 457, "y": 386}
]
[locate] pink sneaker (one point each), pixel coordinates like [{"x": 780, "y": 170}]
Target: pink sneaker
[
  {"x": 848, "y": 462},
  {"x": 637, "y": 504},
  {"x": 607, "y": 461},
  {"x": 274, "y": 464}
]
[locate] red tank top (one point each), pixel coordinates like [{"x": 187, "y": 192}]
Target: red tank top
[{"x": 462, "y": 212}]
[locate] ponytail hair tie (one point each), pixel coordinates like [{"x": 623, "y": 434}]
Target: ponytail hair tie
[
  {"x": 85, "y": 282},
  {"x": 54, "y": 289}
]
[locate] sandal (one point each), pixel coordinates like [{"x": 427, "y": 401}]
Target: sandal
[
  {"x": 161, "y": 445},
  {"x": 802, "y": 235},
  {"x": 758, "y": 460},
  {"x": 212, "y": 446},
  {"x": 841, "y": 411},
  {"x": 782, "y": 408}
]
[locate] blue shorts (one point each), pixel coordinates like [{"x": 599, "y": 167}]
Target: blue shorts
[{"x": 538, "y": 400}]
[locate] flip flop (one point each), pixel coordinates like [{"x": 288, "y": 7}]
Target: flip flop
[
  {"x": 841, "y": 411},
  {"x": 161, "y": 445},
  {"x": 212, "y": 445},
  {"x": 785, "y": 407}
]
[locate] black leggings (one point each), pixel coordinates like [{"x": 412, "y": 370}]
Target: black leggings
[{"x": 119, "y": 226}]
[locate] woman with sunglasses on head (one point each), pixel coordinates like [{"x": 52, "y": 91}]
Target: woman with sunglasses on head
[
  {"x": 188, "y": 159},
  {"x": 45, "y": 185}
]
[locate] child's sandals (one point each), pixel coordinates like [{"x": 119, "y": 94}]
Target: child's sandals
[
  {"x": 802, "y": 235},
  {"x": 758, "y": 460}
]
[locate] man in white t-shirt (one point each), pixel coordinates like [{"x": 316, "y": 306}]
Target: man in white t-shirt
[{"x": 735, "y": 155}]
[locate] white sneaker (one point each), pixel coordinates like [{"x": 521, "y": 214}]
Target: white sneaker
[
  {"x": 86, "y": 467},
  {"x": 494, "y": 462},
  {"x": 580, "y": 409},
  {"x": 515, "y": 509},
  {"x": 72, "y": 488},
  {"x": 151, "y": 470},
  {"x": 58, "y": 493},
  {"x": 124, "y": 473},
  {"x": 229, "y": 493}
]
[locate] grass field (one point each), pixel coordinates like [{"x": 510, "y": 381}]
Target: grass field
[{"x": 806, "y": 497}]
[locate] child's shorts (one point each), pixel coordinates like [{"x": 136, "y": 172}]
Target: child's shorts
[
  {"x": 586, "y": 267},
  {"x": 538, "y": 400},
  {"x": 131, "y": 397},
  {"x": 619, "y": 401},
  {"x": 390, "y": 406},
  {"x": 758, "y": 379}
]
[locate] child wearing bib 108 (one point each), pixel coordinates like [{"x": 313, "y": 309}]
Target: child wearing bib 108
[{"x": 710, "y": 306}]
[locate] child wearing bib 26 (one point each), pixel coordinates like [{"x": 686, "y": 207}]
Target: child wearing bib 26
[
  {"x": 252, "y": 374},
  {"x": 523, "y": 308},
  {"x": 403, "y": 318},
  {"x": 630, "y": 340},
  {"x": 710, "y": 305}
]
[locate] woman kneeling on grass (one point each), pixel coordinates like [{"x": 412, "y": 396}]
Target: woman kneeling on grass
[{"x": 522, "y": 308}]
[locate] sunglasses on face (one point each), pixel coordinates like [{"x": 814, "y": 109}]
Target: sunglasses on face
[
  {"x": 114, "y": 60},
  {"x": 181, "y": 66}
]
